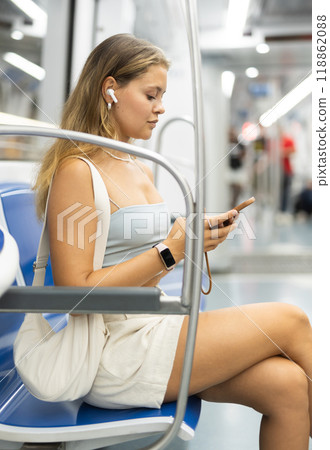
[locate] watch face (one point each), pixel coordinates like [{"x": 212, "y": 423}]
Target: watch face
[{"x": 167, "y": 257}]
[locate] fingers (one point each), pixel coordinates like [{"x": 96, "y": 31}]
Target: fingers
[
  {"x": 222, "y": 220},
  {"x": 216, "y": 230},
  {"x": 221, "y": 232},
  {"x": 228, "y": 218},
  {"x": 215, "y": 236}
]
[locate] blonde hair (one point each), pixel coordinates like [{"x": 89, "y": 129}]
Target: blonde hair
[{"x": 123, "y": 57}]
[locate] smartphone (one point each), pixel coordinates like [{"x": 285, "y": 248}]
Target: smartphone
[{"x": 238, "y": 209}]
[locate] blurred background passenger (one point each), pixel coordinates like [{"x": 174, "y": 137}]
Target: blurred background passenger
[
  {"x": 287, "y": 150},
  {"x": 237, "y": 175}
]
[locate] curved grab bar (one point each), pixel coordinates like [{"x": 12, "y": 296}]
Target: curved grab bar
[
  {"x": 75, "y": 136},
  {"x": 159, "y": 140}
]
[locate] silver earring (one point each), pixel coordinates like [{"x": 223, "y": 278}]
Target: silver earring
[{"x": 109, "y": 106}]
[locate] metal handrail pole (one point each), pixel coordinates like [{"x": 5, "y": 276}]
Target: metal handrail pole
[
  {"x": 198, "y": 229},
  {"x": 160, "y": 134}
]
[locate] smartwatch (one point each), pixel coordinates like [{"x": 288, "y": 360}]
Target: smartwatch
[{"x": 165, "y": 255}]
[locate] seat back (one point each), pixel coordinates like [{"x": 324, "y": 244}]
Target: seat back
[
  {"x": 17, "y": 215},
  {"x": 8, "y": 259},
  {"x": 9, "y": 323}
]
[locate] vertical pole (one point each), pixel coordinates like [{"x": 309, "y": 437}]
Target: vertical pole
[{"x": 191, "y": 293}]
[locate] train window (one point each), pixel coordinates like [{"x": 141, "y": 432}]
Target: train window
[{"x": 23, "y": 28}]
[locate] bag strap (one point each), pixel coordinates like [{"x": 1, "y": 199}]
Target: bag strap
[
  {"x": 40, "y": 264},
  {"x": 102, "y": 205}
]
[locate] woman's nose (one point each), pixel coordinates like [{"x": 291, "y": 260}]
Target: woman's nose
[{"x": 159, "y": 108}]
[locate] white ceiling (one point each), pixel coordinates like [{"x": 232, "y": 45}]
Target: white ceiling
[{"x": 286, "y": 25}]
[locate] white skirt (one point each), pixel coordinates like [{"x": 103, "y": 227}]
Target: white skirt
[{"x": 136, "y": 362}]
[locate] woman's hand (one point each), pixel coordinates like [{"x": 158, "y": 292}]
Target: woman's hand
[
  {"x": 217, "y": 228},
  {"x": 215, "y": 232}
]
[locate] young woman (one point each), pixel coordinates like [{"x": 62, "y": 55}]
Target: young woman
[{"x": 258, "y": 355}]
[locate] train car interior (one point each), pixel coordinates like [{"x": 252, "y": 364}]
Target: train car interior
[{"x": 249, "y": 102}]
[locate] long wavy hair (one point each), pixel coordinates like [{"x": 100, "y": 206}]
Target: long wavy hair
[{"x": 122, "y": 56}]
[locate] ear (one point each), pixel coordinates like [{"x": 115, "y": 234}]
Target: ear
[{"x": 108, "y": 83}]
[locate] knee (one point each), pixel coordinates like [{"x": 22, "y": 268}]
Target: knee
[
  {"x": 296, "y": 320},
  {"x": 295, "y": 314},
  {"x": 291, "y": 387}
]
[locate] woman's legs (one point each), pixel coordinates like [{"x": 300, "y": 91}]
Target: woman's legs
[{"x": 232, "y": 341}]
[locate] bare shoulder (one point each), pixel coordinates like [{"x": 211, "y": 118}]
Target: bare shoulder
[
  {"x": 72, "y": 183},
  {"x": 72, "y": 167}
]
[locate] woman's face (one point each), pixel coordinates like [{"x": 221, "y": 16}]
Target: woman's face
[{"x": 140, "y": 103}]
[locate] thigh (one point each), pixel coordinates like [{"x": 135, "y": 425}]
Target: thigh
[{"x": 230, "y": 340}]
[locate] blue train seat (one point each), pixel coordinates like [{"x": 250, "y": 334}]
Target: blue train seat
[
  {"x": 9, "y": 260},
  {"x": 25, "y": 419}
]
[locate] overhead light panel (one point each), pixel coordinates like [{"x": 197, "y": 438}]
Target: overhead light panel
[
  {"x": 288, "y": 102},
  {"x": 25, "y": 65},
  {"x": 236, "y": 17},
  {"x": 252, "y": 72},
  {"x": 17, "y": 35},
  {"x": 262, "y": 48},
  {"x": 11, "y": 119},
  {"x": 31, "y": 9}
]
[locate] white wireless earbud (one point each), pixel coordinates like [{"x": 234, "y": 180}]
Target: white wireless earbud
[{"x": 111, "y": 92}]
